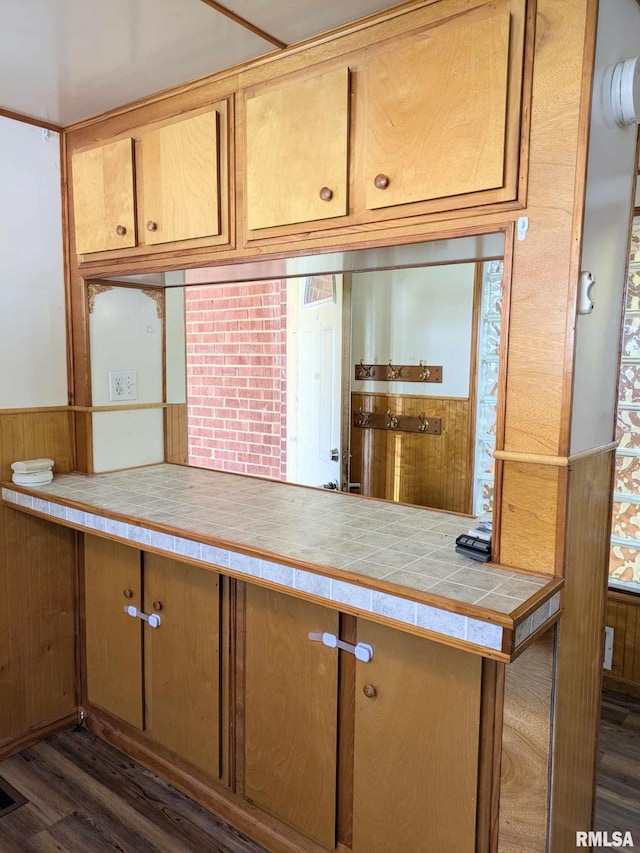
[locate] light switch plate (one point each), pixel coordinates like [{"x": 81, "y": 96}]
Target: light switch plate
[
  {"x": 608, "y": 648},
  {"x": 123, "y": 385}
]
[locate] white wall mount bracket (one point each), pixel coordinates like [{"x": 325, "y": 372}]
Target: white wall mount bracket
[
  {"x": 153, "y": 620},
  {"x": 362, "y": 651},
  {"x": 625, "y": 92},
  {"x": 522, "y": 227},
  {"x": 585, "y": 303}
]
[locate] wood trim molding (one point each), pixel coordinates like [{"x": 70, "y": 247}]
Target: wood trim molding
[
  {"x": 17, "y": 743},
  {"x": 317, "y": 41},
  {"x": 34, "y": 410},
  {"x": 244, "y": 23},
  {"x": 116, "y": 408},
  {"x": 631, "y": 599},
  {"x": 554, "y": 461},
  {"x": 36, "y": 122}
]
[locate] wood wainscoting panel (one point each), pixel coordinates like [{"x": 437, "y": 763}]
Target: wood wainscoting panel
[
  {"x": 175, "y": 433},
  {"x": 580, "y": 649},
  {"x": 526, "y": 748},
  {"x": 623, "y": 615},
  {"x": 427, "y": 470},
  {"x": 37, "y": 589}
]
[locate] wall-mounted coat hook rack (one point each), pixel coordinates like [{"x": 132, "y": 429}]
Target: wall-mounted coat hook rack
[
  {"x": 397, "y": 423},
  {"x": 399, "y": 372}
]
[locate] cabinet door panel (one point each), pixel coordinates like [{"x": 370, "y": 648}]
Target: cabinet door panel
[
  {"x": 178, "y": 175},
  {"x": 113, "y": 639},
  {"x": 103, "y": 197},
  {"x": 296, "y": 145},
  {"x": 416, "y": 745},
  {"x": 440, "y": 132},
  {"x": 291, "y": 711},
  {"x": 182, "y": 660}
]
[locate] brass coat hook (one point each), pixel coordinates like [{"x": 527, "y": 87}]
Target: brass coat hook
[
  {"x": 393, "y": 420},
  {"x": 365, "y": 370},
  {"x": 425, "y": 373},
  {"x": 393, "y": 372},
  {"x": 363, "y": 418}
]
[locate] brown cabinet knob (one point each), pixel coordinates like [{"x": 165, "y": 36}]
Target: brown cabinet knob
[
  {"x": 381, "y": 182},
  {"x": 369, "y": 691},
  {"x": 128, "y": 593},
  {"x": 152, "y": 226},
  {"x": 121, "y": 230},
  {"x": 157, "y": 606},
  {"x": 326, "y": 194}
]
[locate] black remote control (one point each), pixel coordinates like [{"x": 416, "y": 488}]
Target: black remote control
[{"x": 481, "y": 546}]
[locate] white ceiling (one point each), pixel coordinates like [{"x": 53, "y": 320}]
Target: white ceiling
[{"x": 66, "y": 60}]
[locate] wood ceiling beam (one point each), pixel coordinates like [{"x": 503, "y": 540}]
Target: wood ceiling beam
[{"x": 243, "y": 23}]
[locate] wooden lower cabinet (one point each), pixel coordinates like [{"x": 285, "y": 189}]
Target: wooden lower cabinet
[
  {"x": 182, "y": 660},
  {"x": 164, "y": 681},
  {"x": 409, "y": 775},
  {"x": 379, "y": 757},
  {"x": 113, "y": 641},
  {"x": 416, "y": 745},
  {"x": 291, "y": 712}
]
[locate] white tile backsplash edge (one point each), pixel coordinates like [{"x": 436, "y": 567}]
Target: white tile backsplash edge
[
  {"x": 402, "y": 610},
  {"x": 526, "y": 628}
]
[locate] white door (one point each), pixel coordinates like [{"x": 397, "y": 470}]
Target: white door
[{"x": 315, "y": 392}]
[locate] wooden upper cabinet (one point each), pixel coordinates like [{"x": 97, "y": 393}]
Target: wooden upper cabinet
[
  {"x": 436, "y": 113},
  {"x": 103, "y": 197},
  {"x": 163, "y": 185},
  {"x": 297, "y": 151},
  {"x": 179, "y": 182}
]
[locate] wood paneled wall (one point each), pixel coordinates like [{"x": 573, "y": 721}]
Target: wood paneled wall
[
  {"x": 526, "y": 746},
  {"x": 175, "y": 433},
  {"x": 37, "y": 590},
  {"x": 580, "y": 647},
  {"x": 623, "y": 615},
  {"x": 427, "y": 470}
]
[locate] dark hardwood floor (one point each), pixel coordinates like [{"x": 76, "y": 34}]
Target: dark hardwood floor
[
  {"x": 86, "y": 797},
  {"x": 618, "y": 797}
]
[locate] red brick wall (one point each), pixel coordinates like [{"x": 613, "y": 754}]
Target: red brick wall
[{"x": 236, "y": 360}]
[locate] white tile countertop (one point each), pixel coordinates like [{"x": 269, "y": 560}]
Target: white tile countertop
[{"x": 387, "y": 561}]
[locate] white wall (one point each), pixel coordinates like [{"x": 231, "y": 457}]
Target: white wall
[
  {"x": 176, "y": 345},
  {"x": 125, "y": 333},
  {"x": 606, "y": 228},
  {"x": 32, "y": 301},
  {"x": 409, "y": 315}
]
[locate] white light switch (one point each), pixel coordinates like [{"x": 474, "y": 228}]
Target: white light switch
[{"x": 123, "y": 385}]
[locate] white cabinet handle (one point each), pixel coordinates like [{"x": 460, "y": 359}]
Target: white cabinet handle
[
  {"x": 153, "y": 621},
  {"x": 362, "y": 651}
]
